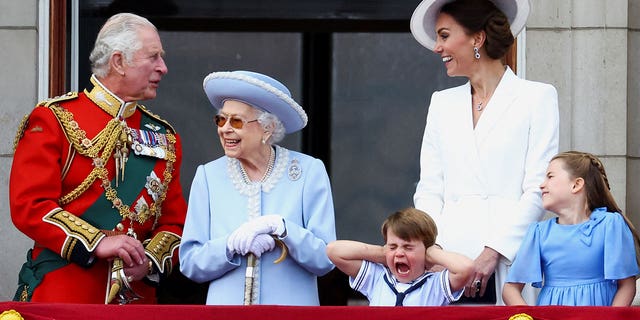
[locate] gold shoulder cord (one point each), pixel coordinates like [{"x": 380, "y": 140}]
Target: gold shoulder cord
[
  {"x": 78, "y": 137},
  {"x": 105, "y": 141},
  {"x": 21, "y": 127},
  {"x": 45, "y": 103}
]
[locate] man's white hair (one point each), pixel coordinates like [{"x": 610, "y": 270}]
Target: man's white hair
[{"x": 119, "y": 33}]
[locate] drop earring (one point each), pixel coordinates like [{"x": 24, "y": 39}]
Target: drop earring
[
  {"x": 476, "y": 53},
  {"x": 264, "y": 139}
]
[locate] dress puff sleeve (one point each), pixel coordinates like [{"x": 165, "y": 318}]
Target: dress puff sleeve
[
  {"x": 527, "y": 265},
  {"x": 619, "y": 249}
]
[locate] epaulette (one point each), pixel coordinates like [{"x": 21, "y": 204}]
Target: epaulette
[
  {"x": 44, "y": 103},
  {"x": 65, "y": 97},
  {"x": 20, "y": 132},
  {"x": 156, "y": 117}
]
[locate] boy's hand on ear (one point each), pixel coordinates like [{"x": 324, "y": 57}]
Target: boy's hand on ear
[{"x": 435, "y": 267}]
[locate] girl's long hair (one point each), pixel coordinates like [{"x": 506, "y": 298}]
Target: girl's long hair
[{"x": 589, "y": 168}]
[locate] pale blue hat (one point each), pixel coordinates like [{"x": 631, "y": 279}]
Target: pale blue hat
[{"x": 259, "y": 91}]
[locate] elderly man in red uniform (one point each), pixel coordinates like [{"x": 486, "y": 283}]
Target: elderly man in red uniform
[{"x": 95, "y": 179}]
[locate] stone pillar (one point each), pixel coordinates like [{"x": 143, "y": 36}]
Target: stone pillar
[
  {"x": 18, "y": 92},
  {"x": 633, "y": 121},
  {"x": 633, "y": 113},
  {"x": 590, "y": 50},
  {"x": 581, "y": 47}
]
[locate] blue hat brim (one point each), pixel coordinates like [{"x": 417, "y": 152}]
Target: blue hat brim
[{"x": 259, "y": 91}]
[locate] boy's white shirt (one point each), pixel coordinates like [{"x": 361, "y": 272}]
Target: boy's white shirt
[{"x": 370, "y": 282}]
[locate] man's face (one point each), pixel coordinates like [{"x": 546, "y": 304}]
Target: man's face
[{"x": 143, "y": 73}]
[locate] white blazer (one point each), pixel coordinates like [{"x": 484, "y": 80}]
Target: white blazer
[{"x": 481, "y": 186}]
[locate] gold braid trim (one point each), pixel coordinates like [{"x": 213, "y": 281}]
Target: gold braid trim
[
  {"x": 78, "y": 137},
  {"x": 160, "y": 249},
  {"x": 98, "y": 170},
  {"x": 75, "y": 228},
  {"x": 21, "y": 127},
  {"x": 67, "y": 250},
  {"x": 155, "y": 209},
  {"x": 65, "y": 97},
  {"x": 24, "y": 295},
  {"x": 106, "y": 141}
]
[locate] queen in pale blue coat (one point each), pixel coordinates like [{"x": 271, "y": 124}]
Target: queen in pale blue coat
[{"x": 259, "y": 199}]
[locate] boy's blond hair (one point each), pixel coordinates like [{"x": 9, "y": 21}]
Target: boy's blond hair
[{"x": 411, "y": 224}]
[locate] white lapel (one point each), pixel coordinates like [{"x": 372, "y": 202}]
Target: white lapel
[
  {"x": 500, "y": 102},
  {"x": 461, "y": 104}
]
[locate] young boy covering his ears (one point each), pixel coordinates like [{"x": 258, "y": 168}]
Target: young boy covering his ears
[{"x": 397, "y": 273}]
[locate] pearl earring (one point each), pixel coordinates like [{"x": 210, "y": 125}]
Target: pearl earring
[{"x": 476, "y": 53}]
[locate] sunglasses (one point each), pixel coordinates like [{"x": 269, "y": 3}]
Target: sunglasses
[{"x": 235, "y": 123}]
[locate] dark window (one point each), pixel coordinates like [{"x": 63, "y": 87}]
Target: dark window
[{"x": 353, "y": 65}]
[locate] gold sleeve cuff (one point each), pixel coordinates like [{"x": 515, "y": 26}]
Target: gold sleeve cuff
[
  {"x": 76, "y": 230},
  {"x": 160, "y": 250}
]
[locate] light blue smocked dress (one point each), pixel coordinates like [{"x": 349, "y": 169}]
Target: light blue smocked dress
[{"x": 576, "y": 265}]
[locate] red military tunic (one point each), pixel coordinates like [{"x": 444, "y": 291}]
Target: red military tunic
[{"x": 63, "y": 193}]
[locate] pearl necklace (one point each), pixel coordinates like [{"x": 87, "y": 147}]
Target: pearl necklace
[{"x": 267, "y": 172}]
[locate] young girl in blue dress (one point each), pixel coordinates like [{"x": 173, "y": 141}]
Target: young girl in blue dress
[{"x": 588, "y": 254}]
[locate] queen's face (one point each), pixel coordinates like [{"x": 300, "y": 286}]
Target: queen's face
[
  {"x": 405, "y": 259},
  {"x": 454, "y": 46},
  {"x": 240, "y": 143}
]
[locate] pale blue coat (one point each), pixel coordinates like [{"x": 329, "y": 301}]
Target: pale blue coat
[{"x": 298, "y": 189}]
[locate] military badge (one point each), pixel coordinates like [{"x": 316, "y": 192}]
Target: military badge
[
  {"x": 142, "y": 209},
  {"x": 149, "y": 143},
  {"x": 154, "y": 186}
]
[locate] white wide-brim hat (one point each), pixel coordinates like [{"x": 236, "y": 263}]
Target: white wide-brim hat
[
  {"x": 423, "y": 20},
  {"x": 257, "y": 90}
]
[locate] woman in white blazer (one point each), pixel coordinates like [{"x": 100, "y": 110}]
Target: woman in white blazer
[{"x": 486, "y": 143}]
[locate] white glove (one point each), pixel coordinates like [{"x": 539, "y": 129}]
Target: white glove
[
  {"x": 241, "y": 239},
  {"x": 262, "y": 243},
  {"x": 270, "y": 224},
  {"x": 236, "y": 240}
]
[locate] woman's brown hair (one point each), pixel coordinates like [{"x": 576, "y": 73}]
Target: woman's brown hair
[
  {"x": 590, "y": 168},
  {"x": 483, "y": 15}
]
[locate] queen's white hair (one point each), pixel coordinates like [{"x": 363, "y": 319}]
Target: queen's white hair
[
  {"x": 119, "y": 33},
  {"x": 266, "y": 119}
]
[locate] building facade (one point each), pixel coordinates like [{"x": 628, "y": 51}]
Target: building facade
[{"x": 589, "y": 50}]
